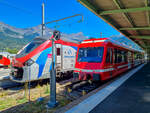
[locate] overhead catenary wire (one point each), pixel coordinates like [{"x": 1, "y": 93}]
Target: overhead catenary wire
[
  {"x": 65, "y": 18},
  {"x": 6, "y": 3},
  {"x": 62, "y": 25}
]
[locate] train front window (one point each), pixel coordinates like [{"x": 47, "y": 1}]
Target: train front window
[
  {"x": 1, "y": 57},
  {"x": 30, "y": 47},
  {"x": 91, "y": 54}
]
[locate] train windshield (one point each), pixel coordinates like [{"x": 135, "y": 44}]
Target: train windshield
[
  {"x": 91, "y": 54},
  {"x": 1, "y": 57},
  {"x": 30, "y": 47}
]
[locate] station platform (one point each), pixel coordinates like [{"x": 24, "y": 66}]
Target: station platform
[
  {"x": 129, "y": 94},
  {"x": 133, "y": 96}
]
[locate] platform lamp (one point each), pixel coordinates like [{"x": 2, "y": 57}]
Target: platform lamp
[{"x": 52, "y": 102}]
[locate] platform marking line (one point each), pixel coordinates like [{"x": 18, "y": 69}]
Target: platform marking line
[{"x": 91, "y": 102}]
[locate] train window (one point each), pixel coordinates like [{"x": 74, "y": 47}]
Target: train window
[
  {"x": 108, "y": 56},
  {"x": 90, "y": 54},
  {"x": 58, "y": 51},
  {"x": 30, "y": 47},
  {"x": 115, "y": 52},
  {"x": 119, "y": 55},
  {"x": 125, "y": 56},
  {"x": 129, "y": 57},
  {"x": 1, "y": 57},
  {"x": 135, "y": 56}
]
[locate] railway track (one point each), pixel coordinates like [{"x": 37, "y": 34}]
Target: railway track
[
  {"x": 80, "y": 88},
  {"x": 72, "y": 88},
  {"x": 13, "y": 89},
  {"x": 34, "y": 83}
]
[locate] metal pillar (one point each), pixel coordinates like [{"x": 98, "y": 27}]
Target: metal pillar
[
  {"x": 29, "y": 83},
  {"x": 53, "y": 103}
]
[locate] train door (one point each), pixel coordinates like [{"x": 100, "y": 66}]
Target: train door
[
  {"x": 109, "y": 62},
  {"x": 116, "y": 61},
  {"x": 112, "y": 62},
  {"x": 130, "y": 60}
]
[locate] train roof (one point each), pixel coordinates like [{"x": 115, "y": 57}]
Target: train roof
[
  {"x": 66, "y": 43},
  {"x": 116, "y": 43},
  {"x": 44, "y": 38}
]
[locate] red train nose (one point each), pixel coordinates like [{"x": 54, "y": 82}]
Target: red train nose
[{"x": 4, "y": 61}]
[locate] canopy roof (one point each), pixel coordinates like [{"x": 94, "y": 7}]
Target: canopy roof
[{"x": 130, "y": 17}]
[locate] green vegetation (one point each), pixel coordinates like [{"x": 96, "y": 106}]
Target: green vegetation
[
  {"x": 47, "y": 89},
  {"x": 19, "y": 102},
  {"x": 12, "y": 51}
]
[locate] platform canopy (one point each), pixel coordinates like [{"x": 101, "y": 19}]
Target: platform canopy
[{"x": 130, "y": 17}]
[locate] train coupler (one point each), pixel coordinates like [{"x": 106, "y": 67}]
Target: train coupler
[
  {"x": 69, "y": 90},
  {"x": 83, "y": 92}
]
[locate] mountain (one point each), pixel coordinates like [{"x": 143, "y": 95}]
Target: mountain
[
  {"x": 125, "y": 41},
  {"x": 11, "y": 37}
]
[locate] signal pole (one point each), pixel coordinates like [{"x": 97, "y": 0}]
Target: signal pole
[{"x": 52, "y": 102}]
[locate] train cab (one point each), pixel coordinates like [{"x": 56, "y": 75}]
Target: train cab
[{"x": 90, "y": 60}]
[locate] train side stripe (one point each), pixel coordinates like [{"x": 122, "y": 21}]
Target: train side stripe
[
  {"x": 94, "y": 41},
  {"x": 100, "y": 70},
  {"x": 41, "y": 60},
  {"x": 122, "y": 66}
]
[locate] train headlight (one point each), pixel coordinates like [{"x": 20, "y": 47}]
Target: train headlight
[{"x": 29, "y": 62}]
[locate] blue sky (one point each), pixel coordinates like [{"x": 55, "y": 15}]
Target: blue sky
[{"x": 27, "y": 13}]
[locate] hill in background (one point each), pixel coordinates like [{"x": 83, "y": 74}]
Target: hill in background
[{"x": 13, "y": 39}]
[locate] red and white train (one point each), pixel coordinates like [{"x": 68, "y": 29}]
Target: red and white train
[
  {"x": 102, "y": 59},
  {"x": 34, "y": 61}
]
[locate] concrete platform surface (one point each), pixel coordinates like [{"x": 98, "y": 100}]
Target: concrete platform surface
[{"x": 133, "y": 96}]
